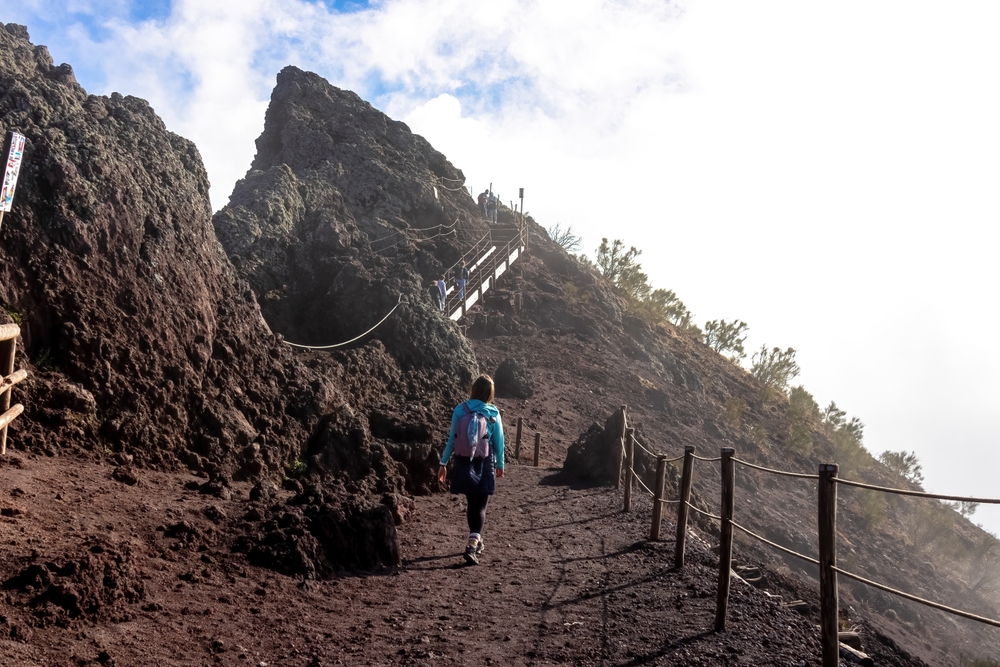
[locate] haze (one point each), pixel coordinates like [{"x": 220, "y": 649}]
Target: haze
[{"x": 826, "y": 172}]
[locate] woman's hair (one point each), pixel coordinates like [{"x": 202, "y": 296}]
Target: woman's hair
[{"x": 482, "y": 389}]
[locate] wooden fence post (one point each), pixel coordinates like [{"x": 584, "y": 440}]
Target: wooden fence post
[
  {"x": 828, "y": 596},
  {"x": 8, "y": 348},
  {"x": 538, "y": 446},
  {"x": 682, "y": 507},
  {"x": 629, "y": 466},
  {"x": 726, "y": 543},
  {"x": 517, "y": 443},
  {"x": 619, "y": 455},
  {"x": 661, "y": 473}
]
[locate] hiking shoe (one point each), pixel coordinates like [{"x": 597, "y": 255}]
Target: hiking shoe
[
  {"x": 472, "y": 552},
  {"x": 480, "y": 546}
]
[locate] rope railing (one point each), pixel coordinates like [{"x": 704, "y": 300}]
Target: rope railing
[
  {"x": 639, "y": 444},
  {"x": 489, "y": 261},
  {"x": 348, "y": 342},
  {"x": 773, "y": 544},
  {"x": 703, "y": 512},
  {"x": 914, "y": 598},
  {"x": 783, "y": 473},
  {"x": 917, "y": 494},
  {"x": 827, "y": 482}
]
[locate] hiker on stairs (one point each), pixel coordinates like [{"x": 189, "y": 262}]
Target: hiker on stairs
[
  {"x": 443, "y": 288},
  {"x": 491, "y": 208},
  {"x": 461, "y": 276},
  {"x": 483, "y": 196},
  {"x": 476, "y": 439},
  {"x": 435, "y": 293}
]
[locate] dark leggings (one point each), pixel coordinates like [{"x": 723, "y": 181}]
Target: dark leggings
[{"x": 477, "y": 511}]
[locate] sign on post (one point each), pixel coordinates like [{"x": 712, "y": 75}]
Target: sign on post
[{"x": 15, "y": 146}]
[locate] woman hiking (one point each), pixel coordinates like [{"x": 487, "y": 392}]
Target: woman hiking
[{"x": 476, "y": 440}]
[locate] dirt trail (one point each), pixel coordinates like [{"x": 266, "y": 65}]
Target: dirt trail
[{"x": 566, "y": 578}]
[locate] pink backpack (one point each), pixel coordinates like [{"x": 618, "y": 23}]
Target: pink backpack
[{"x": 472, "y": 438}]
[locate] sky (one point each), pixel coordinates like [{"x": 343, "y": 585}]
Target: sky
[{"x": 826, "y": 172}]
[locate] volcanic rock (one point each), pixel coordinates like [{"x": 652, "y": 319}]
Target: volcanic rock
[{"x": 344, "y": 214}]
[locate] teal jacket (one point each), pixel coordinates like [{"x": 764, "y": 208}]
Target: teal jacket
[{"x": 494, "y": 430}]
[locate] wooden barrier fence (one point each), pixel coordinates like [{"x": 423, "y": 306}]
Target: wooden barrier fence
[
  {"x": 488, "y": 259},
  {"x": 827, "y": 480},
  {"x": 8, "y": 350}
]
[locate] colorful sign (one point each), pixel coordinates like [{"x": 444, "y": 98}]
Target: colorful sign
[{"x": 10, "y": 173}]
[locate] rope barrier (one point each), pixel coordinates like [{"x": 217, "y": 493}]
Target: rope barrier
[
  {"x": 644, "y": 449},
  {"x": 702, "y": 458},
  {"x": 348, "y": 342},
  {"x": 648, "y": 490},
  {"x": 474, "y": 246},
  {"x": 914, "y": 598},
  {"x": 785, "y": 473},
  {"x": 918, "y": 494},
  {"x": 770, "y": 543},
  {"x": 407, "y": 230},
  {"x": 708, "y": 514},
  {"x": 445, "y": 187},
  {"x": 674, "y": 460},
  {"x": 453, "y": 180}
]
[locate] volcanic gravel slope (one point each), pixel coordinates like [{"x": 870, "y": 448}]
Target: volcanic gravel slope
[{"x": 141, "y": 575}]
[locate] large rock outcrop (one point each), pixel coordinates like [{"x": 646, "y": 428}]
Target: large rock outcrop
[
  {"x": 342, "y": 211},
  {"x": 125, "y": 297}
]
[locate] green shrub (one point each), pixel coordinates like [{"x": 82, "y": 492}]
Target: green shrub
[
  {"x": 871, "y": 507},
  {"x": 803, "y": 415},
  {"x": 733, "y": 411},
  {"x": 904, "y": 465},
  {"x": 727, "y": 337},
  {"x": 295, "y": 467},
  {"x": 774, "y": 368}
]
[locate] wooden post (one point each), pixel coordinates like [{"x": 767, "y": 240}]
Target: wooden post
[
  {"x": 7, "y": 350},
  {"x": 517, "y": 443},
  {"x": 661, "y": 473},
  {"x": 538, "y": 447},
  {"x": 620, "y": 453},
  {"x": 828, "y": 596},
  {"x": 726, "y": 543},
  {"x": 629, "y": 463},
  {"x": 682, "y": 507}
]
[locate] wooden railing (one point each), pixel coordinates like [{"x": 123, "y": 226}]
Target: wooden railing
[
  {"x": 8, "y": 348},
  {"x": 826, "y": 480},
  {"x": 487, "y": 260}
]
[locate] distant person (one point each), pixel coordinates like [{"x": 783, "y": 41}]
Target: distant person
[
  {"x": 443, "y": 289},
  {"x": 461, "y": 277},
  {"x": 435, "y": 293},
  {"x": 482, "y": 201},
  {"x": 476, "y": 440},
  {"x": 491, "y": 209}
]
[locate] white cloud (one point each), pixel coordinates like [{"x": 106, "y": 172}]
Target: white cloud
[{"x": 826, "y": 172}]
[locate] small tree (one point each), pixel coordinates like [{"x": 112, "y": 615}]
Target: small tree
[
  {"x": 614, "y": 261},
  {"x": 774, "y": 368},
  {"x": 566, "y": 238},
  {"x": 905, "y": 465},
  {"x": 727, "y": 337},
  {"x": 802, "y": 413}
]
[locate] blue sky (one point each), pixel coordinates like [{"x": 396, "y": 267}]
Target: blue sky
[{"x": 826, "y": 172}]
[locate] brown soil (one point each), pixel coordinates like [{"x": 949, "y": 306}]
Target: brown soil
[{"x": 566, "y": 578}]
